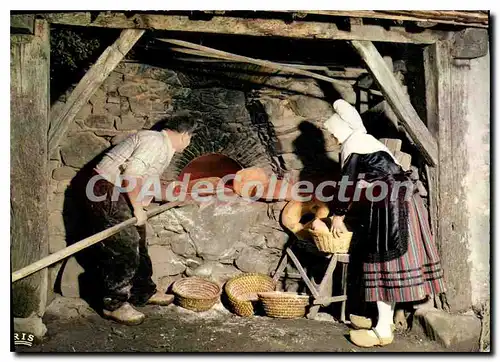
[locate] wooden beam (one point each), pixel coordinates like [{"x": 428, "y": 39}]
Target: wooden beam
[
  {"x": 426, "y": 24},
  {"x": 399, "y": 102},
  {"x": 454, "y": 17},
  {"x": 22, "y": 24},
  {"x": 470, "y": 44},
  {"x": 347, "y": 73},
  {"x": 215, "y": 59},
  {"x": 29, "y": 108},
  {"x": 246, "y": 26},
  {"x": 63, "y": 116},
  {"x": 341, "y": 86},
  {"x": 196, "y": 49},
  {"x": 431, "y": 86}
]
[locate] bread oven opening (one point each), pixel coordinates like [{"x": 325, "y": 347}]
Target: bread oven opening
[{"x": 211, "y": 165}]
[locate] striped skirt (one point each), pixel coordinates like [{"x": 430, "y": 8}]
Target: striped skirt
[{"x": 413, "y": 276}]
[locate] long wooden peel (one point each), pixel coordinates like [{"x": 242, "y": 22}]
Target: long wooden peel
[
  {"x": 91, "y": 240},
  {"x": 214, "y": 58},
  {"x": 263, "y": 63}
]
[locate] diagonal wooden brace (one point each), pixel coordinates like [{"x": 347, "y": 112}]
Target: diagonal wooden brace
[{"x": 97, "y": 74}]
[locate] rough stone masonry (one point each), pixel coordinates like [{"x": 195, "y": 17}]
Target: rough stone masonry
[{"x": 216, "y": 242}]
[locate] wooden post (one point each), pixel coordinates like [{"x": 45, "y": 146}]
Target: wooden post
[
  {"x": 29, "y": 69},
  {"x": 97, "y": 74},
  {"x": 398, "y": 100},
  {"x": 431, "y": 67},
  {"x": 450, "y": 115}
]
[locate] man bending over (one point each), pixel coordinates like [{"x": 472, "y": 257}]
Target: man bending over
[{"x": 122, "y": 260}]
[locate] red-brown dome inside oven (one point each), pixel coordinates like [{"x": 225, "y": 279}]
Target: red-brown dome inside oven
[{"x": 211, "y": 165}]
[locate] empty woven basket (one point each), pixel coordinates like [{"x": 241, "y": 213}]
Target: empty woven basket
[
  {"x": 242, "y": 291},
  {"x": 284, "y": 304},
  {"x": 196, "y": 294}
]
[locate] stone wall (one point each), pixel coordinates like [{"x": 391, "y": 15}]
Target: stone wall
[
  {"x": 263, "y": 127},
  {"x": 215, "y": 242}
]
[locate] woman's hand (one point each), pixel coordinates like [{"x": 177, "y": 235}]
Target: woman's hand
[
  {"x": 338, "y": 226},
  {"x": 141, "y": 216},
  {"x": 319, "y": 225},
  {"x": 362, "y": 184}
]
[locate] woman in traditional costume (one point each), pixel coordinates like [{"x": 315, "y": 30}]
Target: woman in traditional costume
[{"x": 400, "y": 261}]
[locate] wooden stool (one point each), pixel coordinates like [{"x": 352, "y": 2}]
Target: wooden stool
[{"x": 319, "y": 292}]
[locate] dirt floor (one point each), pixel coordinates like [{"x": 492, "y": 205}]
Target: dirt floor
[{"x": 73, "y": 327}]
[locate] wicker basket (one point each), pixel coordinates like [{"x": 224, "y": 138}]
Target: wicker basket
[
  {"x": 242, "y": 291},
  {"x": 284, "y": 304},
  {"x": 196, "y": 293},
  {"x": 328, "y": 243}
]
